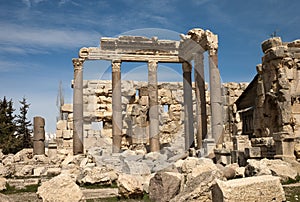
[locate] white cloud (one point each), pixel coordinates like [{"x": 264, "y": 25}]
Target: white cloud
[{"x": 16, "y": 38}]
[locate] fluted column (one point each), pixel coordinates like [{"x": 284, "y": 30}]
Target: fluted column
[
  {"x": 215, "y": 97},
  {"x": 200, "y": 99},
  {"x": 153, "y": 106},
  {"x": 117, "y": 123},
  {"x": 78, "y": 106},
  {"x": 188, "y": 105}
]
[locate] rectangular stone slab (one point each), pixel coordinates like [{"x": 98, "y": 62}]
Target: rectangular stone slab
[{"x": 260, "y": 188}]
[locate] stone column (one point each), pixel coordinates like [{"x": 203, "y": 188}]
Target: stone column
[
  {"x": 215, "y": 97},
  {"x": 117, "y": 123},
  {"x": 38, "y": 135},
  {"x": 200, "y": 98},
  {"x": 153, "y": 106},
  {"x": 78, "y": 106},
  {"x": 188, "y": 105}
]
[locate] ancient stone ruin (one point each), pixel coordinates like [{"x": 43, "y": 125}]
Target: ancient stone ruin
[{"x": 175, "y": 141}]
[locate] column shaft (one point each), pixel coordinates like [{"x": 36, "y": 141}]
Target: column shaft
[
  {"x": 215, "y": 97},
  {"x": 153, "y": 106},
  {"x": 200, "y": 99},
  {"x": 188, "y": 105},
  {"x": 78, "y": 106},
  {"x": 117, "y": 122}
]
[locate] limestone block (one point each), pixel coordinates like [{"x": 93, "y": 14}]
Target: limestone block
[
  {"x": 144, "y": 100},
  {"x": 136, "y": 168},
  {"x": 106, "y": 132},
  {"x": 2, "y": 184},
  {"x": 100, "y": 175},
  {"x": 67, "y": 134},
  {"x": 70, "y": 117},
  {"x": 199, "y": 188},
  {"x": 61, "y": 125},
  {"x": 60, "y": 188},
  {"x": 130, "y": 186},
  {"x": 70, "y": 125},
  {"x": 104, "y": 100},
  {"x": 68, "y": 143},
  {"x": 270, "y": 43},
  {"x": 262, "y": 188},
  {"x": 164, "y": 186},
  {"x": 67, "y": 108}
]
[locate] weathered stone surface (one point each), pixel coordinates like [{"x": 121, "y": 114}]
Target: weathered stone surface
[
  {"x": 261, "y": 188},
  {"x": 199, "y": 188},
  {"x": 136, "y": 168},
  {"x": 271, "y": 167},
  {"x": 27, "y": 170},
  {"x": 6, "y": 171},
  {"x": 2, "y": 184},
  {"x": 164, "y": 186},
  {"x": 60, "y": 188},
  {"x": 99, "y": 175},
  {"x": 4, "y": 198},
  {"x": 130, "y": 186}
]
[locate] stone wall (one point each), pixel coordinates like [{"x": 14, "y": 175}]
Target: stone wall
[{"x": 135, "y": 106}]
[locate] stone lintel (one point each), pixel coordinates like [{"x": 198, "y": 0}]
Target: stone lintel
[
  {"x": 95, "y": 53},
  {"x": 136, "y": 44}
]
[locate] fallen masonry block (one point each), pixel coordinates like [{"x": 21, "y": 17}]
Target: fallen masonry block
[{"x": 260, "y": 188}]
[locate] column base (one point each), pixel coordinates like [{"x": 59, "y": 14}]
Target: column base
[{"x": 209, "y": 145}]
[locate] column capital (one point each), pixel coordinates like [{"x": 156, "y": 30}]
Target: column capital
[
  {"x": 116, "y": 65},
  {"x": 152, "y": 65},
  {"x": 186, "y": 66},
  {"x": 77, "y": 63},
  {"x": 212, "y": 52}
]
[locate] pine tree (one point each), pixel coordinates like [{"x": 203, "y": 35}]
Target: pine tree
[
  {"x": 8, "y": 141},
  {"x": 23, "y": 125}
]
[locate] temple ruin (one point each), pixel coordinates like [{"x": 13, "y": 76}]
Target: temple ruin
[
  {"x": 235, "y": 121},
  {"x": 154, "y": 51}
]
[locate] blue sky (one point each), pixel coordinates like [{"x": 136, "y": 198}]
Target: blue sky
[{"x": 38, "y": 39}]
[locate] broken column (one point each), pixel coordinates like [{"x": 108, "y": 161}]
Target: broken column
[
  {"x": 153, "y": 106},
  {"x": 78, "y": 106},
  {"x": 188, "y": 105},
  {"x": 38, "y": 136},
  {"x": 200, "y": 99},
  {"x": 117, "y": 123},
  {"x": 215, "y": 97}
]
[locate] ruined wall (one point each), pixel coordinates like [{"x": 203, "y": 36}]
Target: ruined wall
[
  {"x": 278, "y": 92},
  {"x": 135, "y": 106}
]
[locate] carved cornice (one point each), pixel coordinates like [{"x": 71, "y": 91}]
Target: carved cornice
[{"x": 78, "y": 63}]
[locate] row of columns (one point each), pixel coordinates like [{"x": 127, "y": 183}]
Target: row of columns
[{"x": 117, "y": 122}]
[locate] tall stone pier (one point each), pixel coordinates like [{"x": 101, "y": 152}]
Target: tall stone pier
[
  {"x": 215, "y": 97},
  {"x": 78, "y": 106},
  {"x": 117, "y": 122},
  {"x": 153, "y": 106},
  {"x": 38, "y": 135},
  {"x": 188, "y": 105},
  {"x": 200, "y": 98}
]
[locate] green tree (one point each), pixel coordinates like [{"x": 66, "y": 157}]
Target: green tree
[
  {"x": 23, "y": 129},
  {"x": 8, "y": 141}
]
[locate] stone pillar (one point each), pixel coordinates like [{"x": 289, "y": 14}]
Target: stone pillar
[
  {"x": 38, "y": 135},
  {"x": 188, "y": 105},
  {"x": 200, "y": 99},
  {"x": 78, "y": 106},
  {"x": 153, "y": 106},
  {"x": 117, "y": 123},
  {"x": 215, "y": 97}
]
